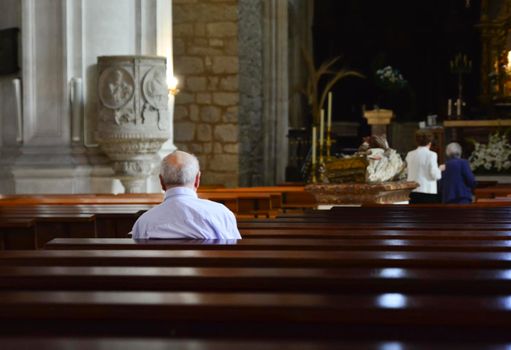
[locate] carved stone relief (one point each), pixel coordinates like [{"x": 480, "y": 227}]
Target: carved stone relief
[
  {"x": 155, "y": 92},
  {"x": 133, "y": 122}
]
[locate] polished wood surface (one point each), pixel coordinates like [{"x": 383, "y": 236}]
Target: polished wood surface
[
  {"x": 349, "y": 275},
  {"x": 268, "y": 258},
  {"x": 256, "y": 314},
  {"x": 286, "y": 244},
  {"x": 305, "y": 280}
]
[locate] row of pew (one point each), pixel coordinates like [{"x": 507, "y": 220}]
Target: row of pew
[
  {"x": 376, "y": 277},
  {"x": 29, "y": 221}
]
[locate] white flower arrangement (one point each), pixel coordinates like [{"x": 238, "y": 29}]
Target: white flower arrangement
[
  {"x": 494, "y": 156},
  {"x": 390, "y": 78}
]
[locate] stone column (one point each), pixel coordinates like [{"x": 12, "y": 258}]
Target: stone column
[
  {"x": 133, "y": 109},
  {"x": 275, "y": 90},
  {"x": 207, "y": 65},
  {"x": 379, "y": 119}
]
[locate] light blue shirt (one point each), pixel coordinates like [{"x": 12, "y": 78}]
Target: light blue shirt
[{"x": 183, "y": 215}]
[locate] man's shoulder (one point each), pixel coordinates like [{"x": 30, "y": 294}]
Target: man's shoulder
[{"x": 209, "y": 206}]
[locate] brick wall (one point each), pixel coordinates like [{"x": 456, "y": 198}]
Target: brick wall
[{"x": 206, "y": 63}]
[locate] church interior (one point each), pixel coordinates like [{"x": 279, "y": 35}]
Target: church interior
[{"x": 304, "y": 116}]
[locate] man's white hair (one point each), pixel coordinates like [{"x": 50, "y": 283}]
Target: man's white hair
[
  {"x": 179, "y": 169},
  {"x": 453, "y": 150}
]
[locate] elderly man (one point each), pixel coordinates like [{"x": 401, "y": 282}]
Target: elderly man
[{"x": 182, "y": 214}]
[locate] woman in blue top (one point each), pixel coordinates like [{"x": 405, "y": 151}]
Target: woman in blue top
[{"x": 458, "y": 181}]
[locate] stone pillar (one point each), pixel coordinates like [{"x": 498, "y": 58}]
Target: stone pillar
[
  {"x": 379, "y": 119},
  {"x": 207, "y": 65},
  {"x": 133, "y": 109},
  {"x": 276, "y": 90}
]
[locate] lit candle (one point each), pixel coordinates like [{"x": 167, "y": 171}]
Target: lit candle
[
  {"x": 329, "y": 116},
  {"x": 321, "y": 129},
  {"x": 458, "y": 107},
  {"x": 313, "y": 145}
]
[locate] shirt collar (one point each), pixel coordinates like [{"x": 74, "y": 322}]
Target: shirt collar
[{"x": 177, "y": 191}]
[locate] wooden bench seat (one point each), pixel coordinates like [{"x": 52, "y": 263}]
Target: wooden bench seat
[
  {"x": 230, "y": 343},
  {"x": 307, "y": 316},
  {"x": 423, "y": 225},
  {"x": 262, "y": 258},
  {"x": 242, "y": 203},
  {"x": 329, "y": 233},
  {"x": 17, "y": 233},
  {"x": 285, "y": 244},
  {"x": 233, "y": 279},
  {"x": 493, "y": 191}
]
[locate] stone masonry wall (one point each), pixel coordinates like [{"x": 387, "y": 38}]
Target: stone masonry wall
[{"x": 207, "y": 65}]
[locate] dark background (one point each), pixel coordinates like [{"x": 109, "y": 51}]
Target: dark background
[{"x": 419, "y": 38}]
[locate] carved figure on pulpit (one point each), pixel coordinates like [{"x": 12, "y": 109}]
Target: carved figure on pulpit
[
  {"x": 116, "y": 87},
  {"x": 156, "y": 94}
]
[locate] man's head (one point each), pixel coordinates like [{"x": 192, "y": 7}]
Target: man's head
[
  {"x": 179, "y": 169},
  {"x": 424, "y": 138}
]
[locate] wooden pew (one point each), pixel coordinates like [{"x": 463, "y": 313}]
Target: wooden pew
[
  {"x": 116, "y": 221},
  {"x": 261, "y": 258},
  {"x": 291, "y": 197},
  {"x": 228, "y": 343},
  {"x": 47, "y": 226},
  {"x": 493, "y": 191},
  {"x": 110, "y": 220},
  {"x": 390, "y": 225},
  {"x": 17, "y": 233},
  {"x": 274, "y": 315},
  {"x": 240, "y": 202},
  {"x": 326, "y": 280},
  {"x": 335, "y": 232},
  {"x": 451, "y": 244},
  {"x": 81, "y": 199}
]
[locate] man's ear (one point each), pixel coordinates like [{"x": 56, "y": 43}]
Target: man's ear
[
  {"x": 163, "y": 187},
  {"x": 196, "y": 183}
]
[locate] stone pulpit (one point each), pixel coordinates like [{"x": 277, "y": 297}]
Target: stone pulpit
[{"x": 132, "y": 117}]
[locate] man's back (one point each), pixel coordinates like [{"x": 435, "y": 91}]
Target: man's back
[{"x": 183, "y": 215}]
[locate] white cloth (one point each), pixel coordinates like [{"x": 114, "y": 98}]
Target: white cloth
[
  {"x": 183, "y": 215},
  {"x": 423, "y": 169},
  {"x": 383, "y": 165}
]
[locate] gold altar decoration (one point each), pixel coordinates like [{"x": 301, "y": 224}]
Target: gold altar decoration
[
  {"x": 495, "y": 62},
  {"x": 345, "y": 170},
  {"x": 357, "y": 193}
]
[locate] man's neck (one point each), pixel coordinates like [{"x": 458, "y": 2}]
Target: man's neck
[{"x": 190, "y": 187}]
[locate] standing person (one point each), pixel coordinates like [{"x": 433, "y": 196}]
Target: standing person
[
  {"x": 458, "y": 181},
  {"x": 423, "y": 169},
  {"x": 182, "y": 214}
]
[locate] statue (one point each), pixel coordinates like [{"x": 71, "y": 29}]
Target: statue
[
  {"x": 384, "y": 163},
  {"x": 374, "y": 162},
  {"x": 373, "y": 174}
]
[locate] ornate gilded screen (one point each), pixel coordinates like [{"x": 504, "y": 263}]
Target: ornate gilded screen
[{"x": 495, "y": 28}]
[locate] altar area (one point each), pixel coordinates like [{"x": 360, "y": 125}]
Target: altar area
[{"x": 466, "y": 132}]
